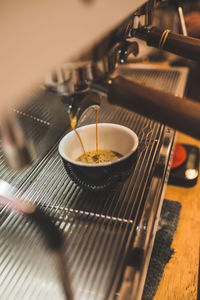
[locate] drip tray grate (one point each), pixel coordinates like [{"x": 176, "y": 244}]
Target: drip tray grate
[{"x": 99, "y": 229}]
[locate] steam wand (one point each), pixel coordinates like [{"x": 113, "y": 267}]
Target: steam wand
[{"x": 181, "y": 16}]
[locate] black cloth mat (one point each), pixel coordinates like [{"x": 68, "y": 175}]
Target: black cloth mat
[{"x": 162, "y": 251}]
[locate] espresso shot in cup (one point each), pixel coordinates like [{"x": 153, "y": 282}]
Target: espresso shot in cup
[{"x": 100, "y": 175}]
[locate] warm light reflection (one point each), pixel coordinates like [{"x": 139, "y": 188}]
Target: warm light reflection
[{"x": 191, "y": 174}]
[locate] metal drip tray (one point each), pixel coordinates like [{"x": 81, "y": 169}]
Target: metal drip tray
[{"x": 106, "y": 234}]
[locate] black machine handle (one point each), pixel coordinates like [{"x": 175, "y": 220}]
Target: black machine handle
[
  {"x": 179, "y": 113},
  {"x": 179, "y": 44}
]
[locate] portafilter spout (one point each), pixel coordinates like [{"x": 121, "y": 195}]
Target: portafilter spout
[
  {"x": 78, "y": 104},
  {"x": 75, "y": 82},
  {"x": 72, "y": 82}
]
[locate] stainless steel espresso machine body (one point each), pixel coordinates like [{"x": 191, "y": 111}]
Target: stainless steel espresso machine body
[{"x": 107, "y": 238}]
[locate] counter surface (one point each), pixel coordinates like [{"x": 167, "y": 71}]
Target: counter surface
[{"x": 180, "y": 278}]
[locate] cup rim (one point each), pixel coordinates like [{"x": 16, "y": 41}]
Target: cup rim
[{"x": 105, "y": 164}]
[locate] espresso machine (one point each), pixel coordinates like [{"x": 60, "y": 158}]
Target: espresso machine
[{"x": 59, "y": 240}]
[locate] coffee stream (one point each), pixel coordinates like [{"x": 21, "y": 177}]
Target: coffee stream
[
  {"x": 94, "y": 156},
  {"x": 97, "y": 113},
  {"x": 73, "y": 122}
]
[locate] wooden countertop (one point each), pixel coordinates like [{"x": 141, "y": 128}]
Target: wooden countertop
[{"x": 180, "y": 278}]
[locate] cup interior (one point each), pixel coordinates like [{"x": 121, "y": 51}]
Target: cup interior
[{"x": 110, "y": 136}]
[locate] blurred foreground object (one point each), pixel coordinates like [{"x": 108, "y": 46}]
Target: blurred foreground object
[{"x": 36, "y": 36}]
